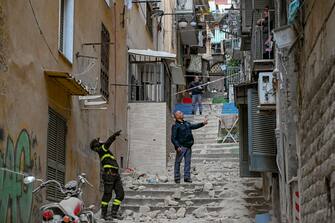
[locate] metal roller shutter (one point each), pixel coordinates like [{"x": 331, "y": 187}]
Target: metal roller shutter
[
  {"x": 261, "y": 137},
  {"x": 244, "y": 152}
]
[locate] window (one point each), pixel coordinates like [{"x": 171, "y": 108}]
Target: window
[
  {"x": 66, "y": 16},
  {"x": 56, "y": 154},
  {"x": 149, "y": 19},
  {"x": 104, "y": 71},
  {"x": 109, "y": 3},
  {"x": 147, "y": 82}
]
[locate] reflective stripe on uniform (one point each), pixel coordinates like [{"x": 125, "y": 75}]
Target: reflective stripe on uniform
[
  {"x": 110, "y": 166},
  {"x": 103, "y": 147},
  {"x": 116, "y": 202},
  {"x": 107, "y": 155},
  {"x": 104, "y": 203}
]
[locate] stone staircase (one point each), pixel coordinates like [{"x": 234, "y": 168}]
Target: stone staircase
[{"x": 217, "y": 193}]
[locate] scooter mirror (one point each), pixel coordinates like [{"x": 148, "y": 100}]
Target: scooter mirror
[{"x": 29, "y": 179}]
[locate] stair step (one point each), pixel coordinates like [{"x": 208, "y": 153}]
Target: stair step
[
  {"x": 173, "y": 186},
  {"x": 216, "y": 145},
  {"x": 256, "y": 208},
  {"x": 189, "y": 209},
  {"x": 216, "y": 155},
  {"x": 223, "y": 155},
  {"x": 211, "y": 160},
  {"x": 216, "y": 151},
  {"x": 165, "y": 193},
  {"x": 154, "y": 201},
  {"x": 205, "y": 141}
]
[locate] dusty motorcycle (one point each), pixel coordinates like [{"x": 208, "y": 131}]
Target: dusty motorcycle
[{"x": 71, "y": 209}]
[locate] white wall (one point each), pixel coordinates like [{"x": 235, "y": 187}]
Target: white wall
[{"x": 147, "y": 137}]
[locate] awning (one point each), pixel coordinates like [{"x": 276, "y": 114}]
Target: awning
[
  {"x": 150, "y": 55},
  {"x": 72, "y": 85},
  {"x": 177, "y": 75}
]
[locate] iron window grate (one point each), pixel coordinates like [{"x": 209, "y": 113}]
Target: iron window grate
[
  {"x": 61, "y": 26},
  {"x": 104, "y": 72}
]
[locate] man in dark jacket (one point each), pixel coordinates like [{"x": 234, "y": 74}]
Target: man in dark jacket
[
  {"x": 111, "y": 178},
  {"x": 182, "y": 139},
  {"x": 196, "y": 90}
]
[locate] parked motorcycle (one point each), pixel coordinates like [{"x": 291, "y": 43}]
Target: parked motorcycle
[{"x": 69, "y": 210}]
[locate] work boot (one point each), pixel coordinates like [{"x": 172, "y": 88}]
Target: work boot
[
  {"x": 187, "y": 180},
  {"x": 104, "y": 213},
  {"x": 115, "y": 214}
]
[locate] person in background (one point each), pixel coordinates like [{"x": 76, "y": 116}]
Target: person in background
[
  {"x": 196, "y": 91},
  {"x": 182, "y": 139},
  {"x": 111, "y": 177}
]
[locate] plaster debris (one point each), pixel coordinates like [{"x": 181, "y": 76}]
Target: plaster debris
[
  {"x": 181, "y": 212},
  {"x": 200, "y": 212},
  {"x": 208, "y": 186},
  {"x": 144, "y": 210}
]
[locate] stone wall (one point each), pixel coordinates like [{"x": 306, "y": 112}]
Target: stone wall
[{"x": 316, "y": 128}]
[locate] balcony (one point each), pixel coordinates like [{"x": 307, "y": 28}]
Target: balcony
[{"x": 262, "y": 46}]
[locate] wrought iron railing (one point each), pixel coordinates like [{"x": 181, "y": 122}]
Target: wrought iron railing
[{"x": 262, "y": 39}]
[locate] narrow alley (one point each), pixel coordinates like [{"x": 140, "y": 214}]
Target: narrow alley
[
  {"x": 217, "y": 193},
  {"x": 100, "y": 100}
]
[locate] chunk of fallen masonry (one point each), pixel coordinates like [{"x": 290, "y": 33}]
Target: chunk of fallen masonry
[{"x": 200, "y": 212}]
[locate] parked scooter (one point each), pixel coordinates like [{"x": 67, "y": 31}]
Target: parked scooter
[{"x": 71, "y": 209}]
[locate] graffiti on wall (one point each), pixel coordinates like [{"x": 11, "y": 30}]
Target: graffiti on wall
[{"x": 15, "y": 197}]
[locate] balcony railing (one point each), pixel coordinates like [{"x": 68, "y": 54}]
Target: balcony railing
[{"x": 262, "y": 39}]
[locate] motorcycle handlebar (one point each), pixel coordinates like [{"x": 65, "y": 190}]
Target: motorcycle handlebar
[
  {"x": 81, "y": 180},
  {"x": 48, "y": 182}
]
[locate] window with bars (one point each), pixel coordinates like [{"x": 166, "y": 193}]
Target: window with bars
[
  {"x": 56, "y": 151},
  {"x": 104, "y": 71},
  {"x": 66, "y": 18},
  {"x": 147, "y": 82},
  {"x": 149, "y": 19}
]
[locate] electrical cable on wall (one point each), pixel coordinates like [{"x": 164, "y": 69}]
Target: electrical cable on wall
[{"x": 41, "y": 32}]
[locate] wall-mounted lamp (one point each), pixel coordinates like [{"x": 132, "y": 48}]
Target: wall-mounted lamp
[{"x": 182, "y": 23}]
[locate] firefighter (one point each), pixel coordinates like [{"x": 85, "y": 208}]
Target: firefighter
[{"x": 111, "y": 178}]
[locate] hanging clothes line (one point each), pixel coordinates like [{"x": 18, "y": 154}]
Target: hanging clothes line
[{"x": 205, "y": 84}]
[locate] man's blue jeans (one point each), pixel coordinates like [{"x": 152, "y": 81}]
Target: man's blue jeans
[
  {"x": 185, "y": 153},
  {"x": 196, "y": 100}
]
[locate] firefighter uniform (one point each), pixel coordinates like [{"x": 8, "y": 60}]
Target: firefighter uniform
[{"x": 111, "y": 178}]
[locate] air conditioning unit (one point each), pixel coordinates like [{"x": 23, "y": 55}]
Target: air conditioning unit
[{"x": 266, "y": 91}]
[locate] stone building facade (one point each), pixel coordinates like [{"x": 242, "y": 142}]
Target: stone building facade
[
  {"x": 305, "y": 113},
  {"x": 302, "y": 190},
  {"x": 316, "y": 110}
]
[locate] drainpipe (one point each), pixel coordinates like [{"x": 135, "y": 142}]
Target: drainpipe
[{"x": 284, "y": 187}]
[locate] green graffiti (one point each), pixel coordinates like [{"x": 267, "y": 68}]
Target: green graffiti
[{"x": 15, "y": 196}]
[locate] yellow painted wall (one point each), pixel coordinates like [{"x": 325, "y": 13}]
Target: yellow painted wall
[{"x": 26, "y": 93}]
